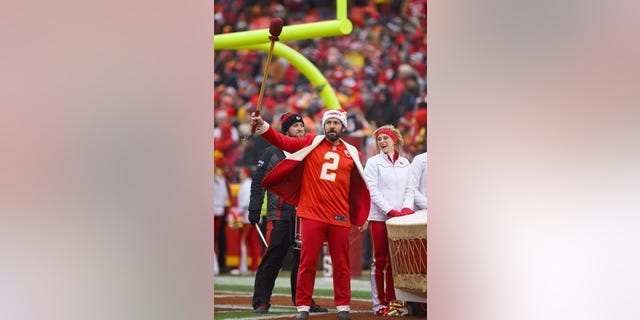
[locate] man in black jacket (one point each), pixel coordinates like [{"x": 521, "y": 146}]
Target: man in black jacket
[{"x": 283, "y": 217}]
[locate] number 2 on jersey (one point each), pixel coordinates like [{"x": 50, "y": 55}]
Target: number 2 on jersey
[{"x": 329, "y": 166}]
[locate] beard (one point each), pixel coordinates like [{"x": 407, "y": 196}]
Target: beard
[{"x": 333, "y": 136}]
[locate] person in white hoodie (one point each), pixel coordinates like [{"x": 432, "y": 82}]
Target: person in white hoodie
[
  {"x": 419, "y": 174},
  {"x": 221, "y": 202},
  {"x": 387, "y": 175},
  {"x": 249, "y": 238}
]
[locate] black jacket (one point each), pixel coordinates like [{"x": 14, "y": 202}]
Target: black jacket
[{"x": 277, "y": 209}]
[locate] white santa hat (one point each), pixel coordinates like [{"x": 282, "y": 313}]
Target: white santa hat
[{"x": 335, "y": 113}]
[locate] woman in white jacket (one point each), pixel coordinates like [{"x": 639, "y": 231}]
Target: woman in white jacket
[{"x": 387, "y": 175}]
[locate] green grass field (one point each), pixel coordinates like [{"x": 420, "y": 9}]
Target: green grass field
[{"x": 235, "y": 286}]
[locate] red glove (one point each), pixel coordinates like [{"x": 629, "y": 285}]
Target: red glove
[
  {"x": 406, "y": 211},
  {"x": 394, "y": 213}
]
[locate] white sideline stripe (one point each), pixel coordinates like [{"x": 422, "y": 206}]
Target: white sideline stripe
[
  {"x": 249, "y": 307},
  {"x": 284, "y": 282},
  {"x": 233, "y": 295},
  {"x": 277, "y": 308},
  {"x": 264, "y": 316}
]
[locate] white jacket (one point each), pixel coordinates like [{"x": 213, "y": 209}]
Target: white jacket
[
  {"x": 389, "y": 185},
  {"x": 220, "y": 194},
  {"x": 244, "y": 196},
  {"x": 419, "y": 174}
]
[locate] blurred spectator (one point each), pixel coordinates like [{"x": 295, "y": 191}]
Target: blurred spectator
[
  {"x": 383, "y": 110},
  {"x": 357, "y": 124},
  {"x": 409, "y": 95},
  {"x": 225, "y": 139},
  {"x": 416, "y": 12},
  {"x": 309, "y": 123},
  {"x": 249, "y": 244},
  {"x": 416, "y": 134},
  {"x": 221, "y": 204}
]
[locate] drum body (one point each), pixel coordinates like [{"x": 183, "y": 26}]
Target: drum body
[{"x": 408, "y": 250}]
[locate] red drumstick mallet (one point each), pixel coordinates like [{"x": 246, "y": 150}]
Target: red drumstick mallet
[{"x": 275, "y": 28}]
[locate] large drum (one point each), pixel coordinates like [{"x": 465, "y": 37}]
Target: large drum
[{"x": 408, "y": 249}]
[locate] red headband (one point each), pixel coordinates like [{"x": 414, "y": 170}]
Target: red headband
[{"x": 388, "y": 132}]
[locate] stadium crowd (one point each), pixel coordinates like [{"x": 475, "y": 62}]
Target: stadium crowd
[{"x": 378, "y": 73}]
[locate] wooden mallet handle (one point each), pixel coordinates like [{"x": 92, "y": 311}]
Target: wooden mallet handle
[{"x": 275, "y": 28}]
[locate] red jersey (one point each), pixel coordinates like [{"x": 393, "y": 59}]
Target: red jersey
[
  {"x": 287, "y": 178},
  {"x": 326, "y": 181}
]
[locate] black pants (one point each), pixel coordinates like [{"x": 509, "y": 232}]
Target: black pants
[
  {"x": 282, "y": 236},
  {"x": 222, "y": 243}
]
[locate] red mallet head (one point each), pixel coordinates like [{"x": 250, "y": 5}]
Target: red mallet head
[{"x": 275, "y": 27}]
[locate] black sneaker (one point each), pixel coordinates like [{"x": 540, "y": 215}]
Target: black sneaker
[
  {"x": 302, "y": 315},
  {"x": 263, "y": 308},
  {"x": 344, "y": 315},
  {"x": 317, "y": 308}
]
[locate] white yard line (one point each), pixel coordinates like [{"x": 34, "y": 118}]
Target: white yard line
[
  {"x": 321, "y": 282},
  {"x": 225, "y": 294}
]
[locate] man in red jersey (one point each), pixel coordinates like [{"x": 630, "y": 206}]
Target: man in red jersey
[{"x": 324, "y": 178}]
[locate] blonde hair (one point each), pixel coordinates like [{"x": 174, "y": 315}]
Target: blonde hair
[{"x": 393, "y": 129}]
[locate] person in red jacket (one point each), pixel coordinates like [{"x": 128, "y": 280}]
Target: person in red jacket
[{"x": 324, "y": 178}]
